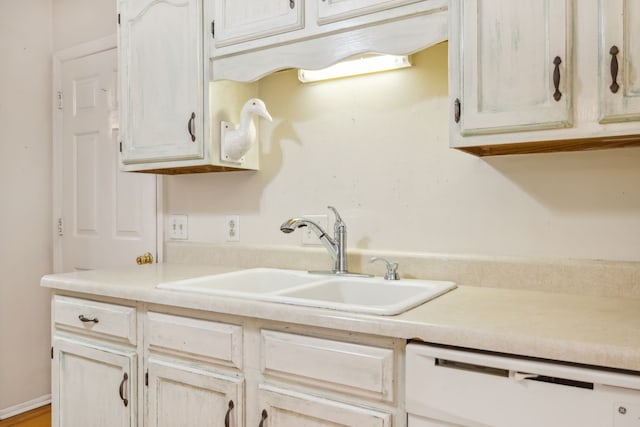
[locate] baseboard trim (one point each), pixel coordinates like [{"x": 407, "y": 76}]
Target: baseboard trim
[{"x": 20, "y": 408}]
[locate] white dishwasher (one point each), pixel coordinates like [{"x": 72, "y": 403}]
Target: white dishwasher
[{"x": 449, "y": 388}]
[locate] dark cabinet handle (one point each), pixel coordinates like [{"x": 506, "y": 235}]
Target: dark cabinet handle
[
  {"x": 556, "y": 78},
  {"x": 87, "y": 320},
  {"x": 264, "y": 417},
  {"x": 456, "y": 110},
  {"x": 124, "y": 399},
  {"x": 190, "y": 126},
  {"x": 292, "y": 4},
  {"x": 614, "y": 68},
  {"x": 228, "y": 415}
]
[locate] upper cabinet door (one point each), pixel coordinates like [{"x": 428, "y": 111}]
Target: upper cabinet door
[
  {"x": 336, "y": 10},
  {"x": 161, "y": 78},
  {"x": 243, "y": 20},
  {"x": 620, "y": 60},
  {"x": 511, "y": 67}
]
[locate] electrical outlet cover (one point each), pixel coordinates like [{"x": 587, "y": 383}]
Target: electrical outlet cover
[{"x": 232, "y": 228}]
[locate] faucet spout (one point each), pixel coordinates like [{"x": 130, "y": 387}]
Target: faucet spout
[{"x": 330, "y": 244}]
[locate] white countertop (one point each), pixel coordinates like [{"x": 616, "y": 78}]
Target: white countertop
[{"x": 601, "y": 331}]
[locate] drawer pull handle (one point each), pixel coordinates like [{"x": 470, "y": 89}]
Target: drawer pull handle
[
  {"x": 87, "y": 320},
  {"x": 228, "y": 415},
  {"x": 190, "y": 126},
  {"x": 614, "y": 69},
  {"x": 264, "y": 417},
  {"x": 124, "y": 399},
  {"x": 556, "y": 78},
  {"x": 292, "y": 4}
]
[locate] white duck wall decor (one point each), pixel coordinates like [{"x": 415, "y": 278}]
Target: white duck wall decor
[{"x": 235, "y": 141}]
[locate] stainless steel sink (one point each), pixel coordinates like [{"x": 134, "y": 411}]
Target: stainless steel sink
[{"x": 358, "y": 295}]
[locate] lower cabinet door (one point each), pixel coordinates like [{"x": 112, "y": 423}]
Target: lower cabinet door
[
  {"x": 181, "y": 394},
  {"x": 285, "y": 408},
  {"x": 92, "y": 385}
]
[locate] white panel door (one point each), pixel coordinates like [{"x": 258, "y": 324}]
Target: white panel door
[
  {"x": 93, "y": 386},
  {"x": 620, "y": 60},
  {"x": 108, "y": 217},
  {"x": 511, "y": 55},
  {"x": 180, "y": 394},
  {"x": 162, "y": 82}
]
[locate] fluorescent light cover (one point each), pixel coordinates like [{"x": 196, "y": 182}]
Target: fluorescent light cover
[{"x": 363, "y": 65}]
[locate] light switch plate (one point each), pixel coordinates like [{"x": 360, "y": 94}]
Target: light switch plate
[{"x": 178, "y": 227}]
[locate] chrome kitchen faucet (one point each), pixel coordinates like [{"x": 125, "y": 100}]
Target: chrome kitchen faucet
[{"x": 336, "y": 246}]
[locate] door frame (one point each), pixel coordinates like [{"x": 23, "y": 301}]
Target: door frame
[{"x": 59, "y": 57}]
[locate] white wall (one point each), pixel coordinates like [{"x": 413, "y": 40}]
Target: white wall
[
  {"x": 376, "y": 147},
  {"x": 25, "y": 185},
  {"x": 29, "y": 32},
  {"x": 80, "y": 21}
]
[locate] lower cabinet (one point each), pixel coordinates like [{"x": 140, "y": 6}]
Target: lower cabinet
[
  {"x": 179, "y": 394},
  {"x": 286, "y": 408},
  {"x": 93, "y": 385},
  {"x": 188, "y": 368}
]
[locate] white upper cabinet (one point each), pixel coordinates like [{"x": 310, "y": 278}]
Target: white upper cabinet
[
  {"x": 512, "y": 57},
  {"x": 620, "y": 60},
  {"x": 171, "y": 115},
  {"x": 254, "y": 38},
  {"x": 161, "y": 80},
  {"x": 243, "y": 20},
  {"x": 335, "y": 10},
  {"x": 529, "y": 77}
]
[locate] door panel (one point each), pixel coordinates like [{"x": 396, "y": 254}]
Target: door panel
[
  {"x": 507, "y": 60},
  {"x": 108, "y": 217},
  {"x": 89, "y": 383},
  {"x": 183, "y": 395},
  {"x": 162, "y": 80},
  {"x": 620, "y": 30},
  {"x": 284, "y": 408},
  {"x": 243, "y": 20}
]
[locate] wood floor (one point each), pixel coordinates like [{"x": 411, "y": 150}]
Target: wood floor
[{"x": 40, "y": 417}]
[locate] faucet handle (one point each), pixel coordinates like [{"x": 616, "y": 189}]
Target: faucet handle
[
  {"x": 392, "y": 267},
  {"x": 337, "y": 215}
]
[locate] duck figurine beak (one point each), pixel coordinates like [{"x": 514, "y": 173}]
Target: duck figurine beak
[
  {"x": 236, "y": 141},
  {"x": 257, "y": 107}
]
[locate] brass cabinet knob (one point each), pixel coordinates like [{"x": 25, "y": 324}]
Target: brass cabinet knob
[{"x": 147, "y": 258}]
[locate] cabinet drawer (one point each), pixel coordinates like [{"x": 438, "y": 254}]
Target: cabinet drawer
[
  {"x": 337, "y": 365},
  {"x": 198, "y": 338},
  {"x": 239, "y": 21},
  {"x": 111, "y": 320},
  {"x": 337, "y": 10}
]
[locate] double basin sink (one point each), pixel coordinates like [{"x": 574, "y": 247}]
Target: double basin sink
[{"x": 372, "y": 295}]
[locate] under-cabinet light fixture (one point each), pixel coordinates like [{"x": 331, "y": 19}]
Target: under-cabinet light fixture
[{"x": 365, "y": 64}]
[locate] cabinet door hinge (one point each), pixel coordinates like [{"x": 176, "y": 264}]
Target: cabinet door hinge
[
  {"x": 59, "y": 100},
  {"x": 60, "y": 227},
  {"x": 146, "y": 378},
  {"x": 213, "y": 28}
]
